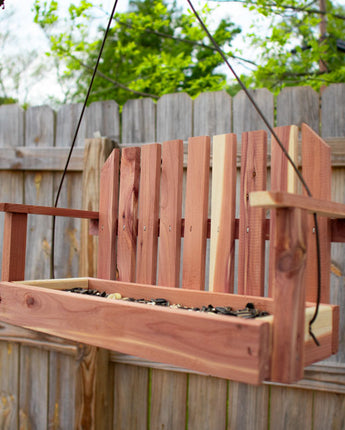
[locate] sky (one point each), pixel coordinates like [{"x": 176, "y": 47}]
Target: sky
[{"x": 18, "y": 15}]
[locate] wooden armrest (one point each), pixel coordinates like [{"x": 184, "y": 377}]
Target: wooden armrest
[
  {"x": 280, "y": 199},
  {"x": 46, "y": 210}
]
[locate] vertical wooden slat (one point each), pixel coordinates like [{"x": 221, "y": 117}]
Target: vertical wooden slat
[
  {"x": 289, "y": 296},
  {"x": 39, "y": 133},
  {"x": 283, "y": 177},
  {"x": 210, "y": 393},
  {"x": 103, "y": 119},
  {"x": 95, "y": 154},
  {"x": 222, "y": 253},
  {"x": 128, "y": 206},
  {"x": 139, "y": 121},
  {"x": 251, "y": 260},
  {"x": 317, "y": 171},
  {"x": 170, "y": 214},
  {"x": 9, "y": 359},
  {"x": 14, "y": 246},
  {"x": 148, "y": 214},
  {"x": 108, "y": 217},
  {"x": 196, "y": 210}
]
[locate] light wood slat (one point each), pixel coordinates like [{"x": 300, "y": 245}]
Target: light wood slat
[
  {"x": 196, "y": 211},
  {"x": 128, "y": 214},
  {"x": 108, "y": 212},
  {"x": 170, "y": 214},
  {"x": 283, "y": 177},
  {"x": 148, "y": 214},
  {"x": 289, "y": 296},
  {"x": 274, "y": 200},
  {"x": 14, "y": 246},
  {"x": 251, "y": 254},
  {"x": 317, "y": 171},
  {"x": 222, "y": 250}
]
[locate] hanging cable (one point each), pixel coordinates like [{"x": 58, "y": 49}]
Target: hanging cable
[
  {"x": 299, "y": 175},
  {"x": 52, "y": 262}
]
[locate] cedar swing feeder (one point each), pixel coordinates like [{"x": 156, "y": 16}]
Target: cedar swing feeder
[{"x": 140, "y": 229}]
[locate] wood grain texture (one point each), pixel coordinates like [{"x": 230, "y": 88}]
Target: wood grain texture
[
  {"x": 333, "y": 111},
  {"x": 146, "y": 268},
  {"x": 96, "y": 153},
  {"x": 196, "y": 210},
  {"x": 130, "y": 397},
  {"x": 170, "y": 214},
  {"x": 290, "y": 408},
  {"x": 245, "y": 117},
  {"x": 245, "y": 357},
  {"x": 297, "y": 105},
  {"x": 108, "y": 217},
  {"x": 172, "y": 414},
  {"x": 317, "y": 171},
  {"x": 102, "y": 119},
  {"x": 128, "y": 213},
  {"x": 283, "y": 176},
  {"x": 38, "y": 190},
  {"x": 251, "y": 254},
  {"x": 174, "y": 117},
  {"x": 9, "y": 387},
  {"x": 206, "y": 402},
  {"x": 33, "y": 388},
  {"x": 67, "y": 233},
  {"x": 222, "y": 250},
  {"x": 14, "y": 246},
  {"x": 212, "y": 114},
  {"x": 328, "y": 411},
  {"x": 139, "y": 121},
  {"x": 289, "y": 296},
  {"x": 248, "y": 406}
]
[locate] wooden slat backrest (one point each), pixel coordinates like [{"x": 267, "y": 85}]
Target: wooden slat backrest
[
  {"x": 223, "y": 212},
  {"x": 251, "y": 260},
  {"x": 170, "y": 214},
  {"x": 146, "y": 267},
  {"x": 317, "y": 170},
  {"x": 196, "y": 212},
  {"x": 128, "y": 206}
]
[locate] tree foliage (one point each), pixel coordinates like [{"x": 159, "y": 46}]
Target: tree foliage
[
  {"x": 151, "y": 50},
  {"x": 301, "y": 45}
]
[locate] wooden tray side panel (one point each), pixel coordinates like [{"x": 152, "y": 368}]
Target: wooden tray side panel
[
  {"x": 170, "y": 214},
  {"x": 148, "y": 214},
  {"x": 283, "y": 177},
  {"x": 128, "y": 214},
  {"x": 238, "y": 348},
  {"x": 108, "y": 211},
  {"x": 196, "y": 212},
  {"x": 223, "y": 213},
  {"x": 317, "y": 171},
  {"x": 251, "y": 254}
]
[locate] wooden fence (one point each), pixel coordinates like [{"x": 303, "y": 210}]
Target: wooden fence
[{"x": 47, "y": 383}]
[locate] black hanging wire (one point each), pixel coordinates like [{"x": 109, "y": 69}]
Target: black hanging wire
[
  {"x": 270, "y": 128},
  {"x": 52, "y": 262}
]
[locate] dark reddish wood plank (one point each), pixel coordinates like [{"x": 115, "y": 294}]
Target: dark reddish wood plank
[
  {"x": 283, "y": 178},
  {"x": 222, "y": 249},
  {"x": 317, "y": 171},
  {"x": 196, "y": 211},
  {"x": 239, "y": 348},
  {"x": 128, "y": 214},
  {"x": 289, "y": 296},
  {"x": 14, "y": 246},
  {"x": 148, "y": 214},
  {"x": 251, "y": 254},
  {"x": 47, "y": 210},
  {"x": 170, "y": 214},
  {"x": 108, "y": 211}
]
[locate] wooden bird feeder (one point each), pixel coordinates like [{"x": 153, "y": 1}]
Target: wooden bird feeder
[{"x": 140, "y": 227}]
